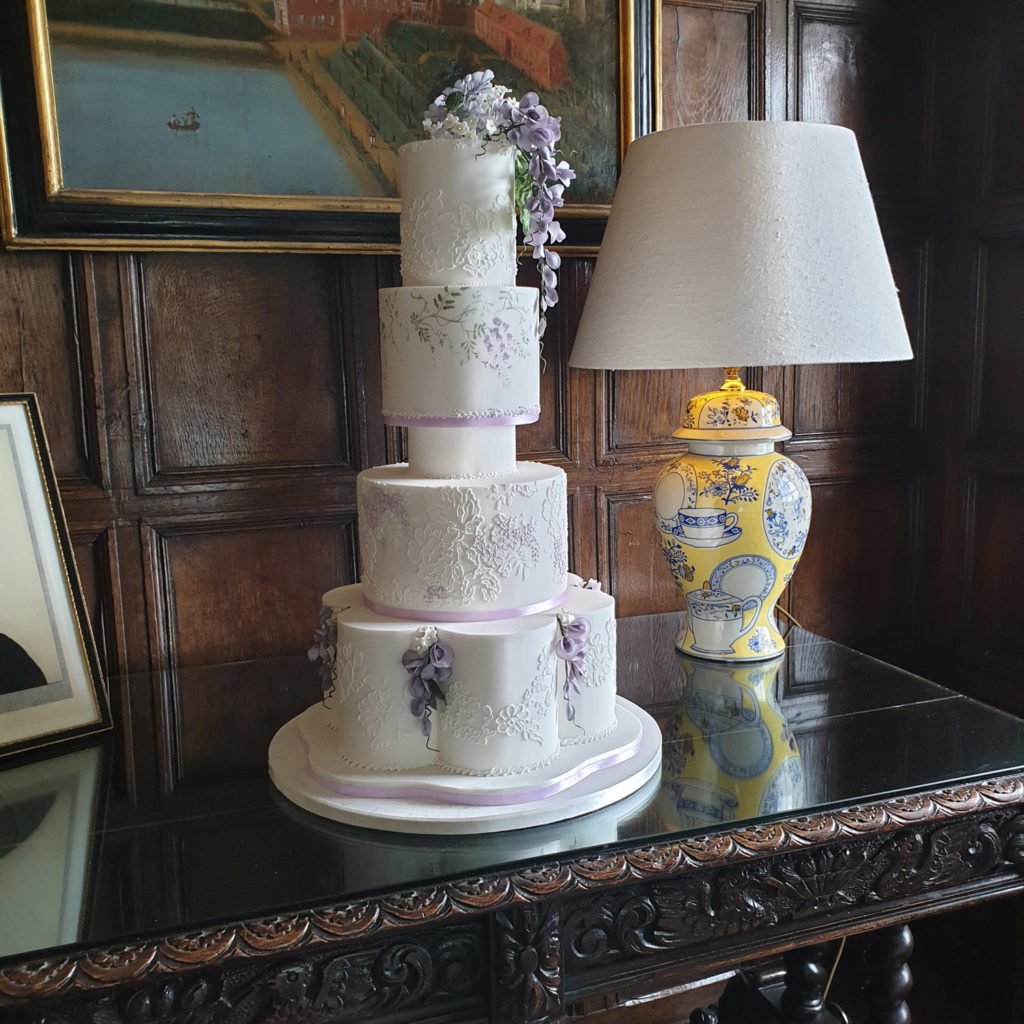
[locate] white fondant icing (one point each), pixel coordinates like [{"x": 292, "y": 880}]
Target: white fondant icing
[
  {"x": 595, "y": 701},
  {"x": 503, "y": 709},
  {"x": 457, "y": 220},
  {"x": 459, "y": 354},
  {"x": 478, "y": 547},
  {"x": 444, "y": 452}
]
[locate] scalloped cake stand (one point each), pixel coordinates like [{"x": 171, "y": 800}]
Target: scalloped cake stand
[{"x": 583, "y": 778}]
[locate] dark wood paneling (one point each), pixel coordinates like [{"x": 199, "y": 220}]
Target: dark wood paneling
[
  {"x": 708, "y": 59},
  {"x": 44, "y": 348},
  {"x": 633, "y": 563},
  {"x": 857, "y": 70},
  {"x": 1000, "y": 355},
  {"x": 1007, "y": 145},
  {"x": 853, "y": 582},
  {"x": 238, "y": 366},
  {"x": 232, "y": 590}
]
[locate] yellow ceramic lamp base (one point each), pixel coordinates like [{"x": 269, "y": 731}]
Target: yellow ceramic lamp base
[{"x": 733, "y": 516}]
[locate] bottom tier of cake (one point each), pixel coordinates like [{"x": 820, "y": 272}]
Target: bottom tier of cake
[
  {"x": 500, "y": 698},
  {"x": 306, "y": 769}
]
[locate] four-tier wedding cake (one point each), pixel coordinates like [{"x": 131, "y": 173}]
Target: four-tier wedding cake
[{"x": 467, "y": 649}]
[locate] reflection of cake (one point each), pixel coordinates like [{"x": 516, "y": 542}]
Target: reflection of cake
[{"x": 468, "y": 650}]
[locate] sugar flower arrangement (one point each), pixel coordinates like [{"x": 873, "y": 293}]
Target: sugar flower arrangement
[{"x": 475, "y": 108}]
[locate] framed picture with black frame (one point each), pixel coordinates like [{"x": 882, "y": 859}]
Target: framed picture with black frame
[{"x": 51, "y": 686}]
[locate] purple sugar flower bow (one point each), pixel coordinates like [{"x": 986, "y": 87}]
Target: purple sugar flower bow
[
  {"x": 429, "y": 663},
  {"x": 570, "y": 647}
]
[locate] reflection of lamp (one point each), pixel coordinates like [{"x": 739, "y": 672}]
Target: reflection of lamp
[
  {"x": 738, "y": 244},
  {"x": 729, "y": 754}
]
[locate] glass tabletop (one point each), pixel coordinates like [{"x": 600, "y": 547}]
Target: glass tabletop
[{"x": 86, "y": 859}]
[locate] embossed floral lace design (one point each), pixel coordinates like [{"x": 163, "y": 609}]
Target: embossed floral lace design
[
  {"x": 600, "y": 655},
  {"x": 466, "y": 718},
  {"x": 556, "y": 521},
  {"x": 382, "y": 517},
  {"x": 461, "y": 555},
  {"x": 350, "y": 675},
  {"x": 470, "y": 324},
  {"x": 378, "y": 711},
  {"x": 440, "y": 233}
]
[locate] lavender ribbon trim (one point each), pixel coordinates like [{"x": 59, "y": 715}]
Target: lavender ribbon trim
[
  {"x": 464, "y": 797},
  {"x": 530, "y": 416},
  {"x": 422, "y": 615}
]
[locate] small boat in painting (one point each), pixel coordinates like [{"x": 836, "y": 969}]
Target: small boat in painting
[{"x": 188, "y": 123}]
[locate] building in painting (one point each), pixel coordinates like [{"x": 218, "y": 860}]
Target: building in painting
[
  {"x": 338, "y": 20},
  {"x": 315, "y": 20},
  {"x": 535, "y": 49}
]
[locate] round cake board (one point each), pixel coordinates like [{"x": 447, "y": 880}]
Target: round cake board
[{"x": 415, "y": 808}]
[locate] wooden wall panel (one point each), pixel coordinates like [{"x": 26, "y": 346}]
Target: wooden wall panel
[
  {"x": 44, "y": 348},
  {"x": 238, "y": 589},
  {"x": 219, "y": 391},
  {"x": 636, "y": 569},
  {"x": 854, "y": 69},
  {"x": 853, "y": 582},
  {"x": 1007, "y": 141},
  {"x": 1000, "y": 354},
  {"x": 708, "y": 59},
  {"x": 991, "y": 612}
]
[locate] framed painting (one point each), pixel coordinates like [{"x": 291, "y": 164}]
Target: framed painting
[
  {"x": 275, "y": 124},
  {"x": 50, "y": 683}
]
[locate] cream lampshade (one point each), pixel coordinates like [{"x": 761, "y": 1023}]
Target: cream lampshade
[{"x": 730, "y": 245}]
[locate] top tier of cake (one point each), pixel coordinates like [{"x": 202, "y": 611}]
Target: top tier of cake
[{"x": 458, "y": 220}]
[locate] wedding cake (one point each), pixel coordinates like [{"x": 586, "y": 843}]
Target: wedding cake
[{"x": 467, "y": 649}]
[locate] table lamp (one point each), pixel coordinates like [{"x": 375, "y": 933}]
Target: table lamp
[{"x": 730, "y": 245}]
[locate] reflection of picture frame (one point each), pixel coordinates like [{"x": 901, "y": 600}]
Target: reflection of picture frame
[
  {"x": 48, "y": 810},
  {"x": 50, "y": 682},
  {"x": 271, "y": 126}
]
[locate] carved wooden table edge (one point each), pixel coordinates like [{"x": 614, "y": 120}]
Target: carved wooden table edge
[{"x": 514, "y": 898}]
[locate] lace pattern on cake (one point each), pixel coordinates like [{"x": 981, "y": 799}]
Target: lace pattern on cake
[
  {"x": 556, "y": 520},
  {"x": 378, "y": 713},
  {"x": 440, "y": 235},
  {"x": 466, "y": 718},
  {"x": 599, "y": 664},
  {"x": 350, "y": 675},
  {"x": 583, "y": 738},
  {"x": 459, "y": 555},
  {"x": 516, "y": 412}
]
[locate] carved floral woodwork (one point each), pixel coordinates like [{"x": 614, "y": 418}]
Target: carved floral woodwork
[{"x": 550, "y": 924}]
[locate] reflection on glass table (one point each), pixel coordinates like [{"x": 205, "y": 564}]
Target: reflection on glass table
[{"x": 821, "y": 727}]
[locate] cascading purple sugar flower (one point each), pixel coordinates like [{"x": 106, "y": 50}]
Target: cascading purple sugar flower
[
  {"x": 324, "y": 649},
  {"x": 429, "y": 663},
  {"x": 570, "y": 647},
  {"x": 475, "y": 108}
]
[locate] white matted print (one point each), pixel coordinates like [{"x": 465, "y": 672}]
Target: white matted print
[{"x": 50, "y": 685}]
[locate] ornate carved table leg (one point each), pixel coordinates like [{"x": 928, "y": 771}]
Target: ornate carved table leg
[
  {"x": 528, "y": 977},
  {"x": 803, "y": 1000},
  {"x": 889, "y": 978}
]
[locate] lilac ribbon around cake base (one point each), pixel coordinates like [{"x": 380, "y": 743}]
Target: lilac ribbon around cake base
[
  {"x": 468, "y": 798},
  {"x": 430, "y": 615},
  {"x": 529, "y": 416}
]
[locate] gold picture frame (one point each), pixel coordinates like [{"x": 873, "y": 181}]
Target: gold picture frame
[
  {"x": 43, "y": 207},
  {"x": 51, "y": 685}
]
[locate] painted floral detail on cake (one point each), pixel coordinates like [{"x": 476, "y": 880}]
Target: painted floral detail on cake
[
  {"x": 467, "y": 718},
  {"x": 429, "y": 664},
  {"x": 787, "y": 508},
  {"x": 383, "y": 518},
  {"x": 729, "y": 481},
  {"x": 572, "y": 648},
  {"x": 508, "y": 547},
  {"x": 468, "y": 323}
]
